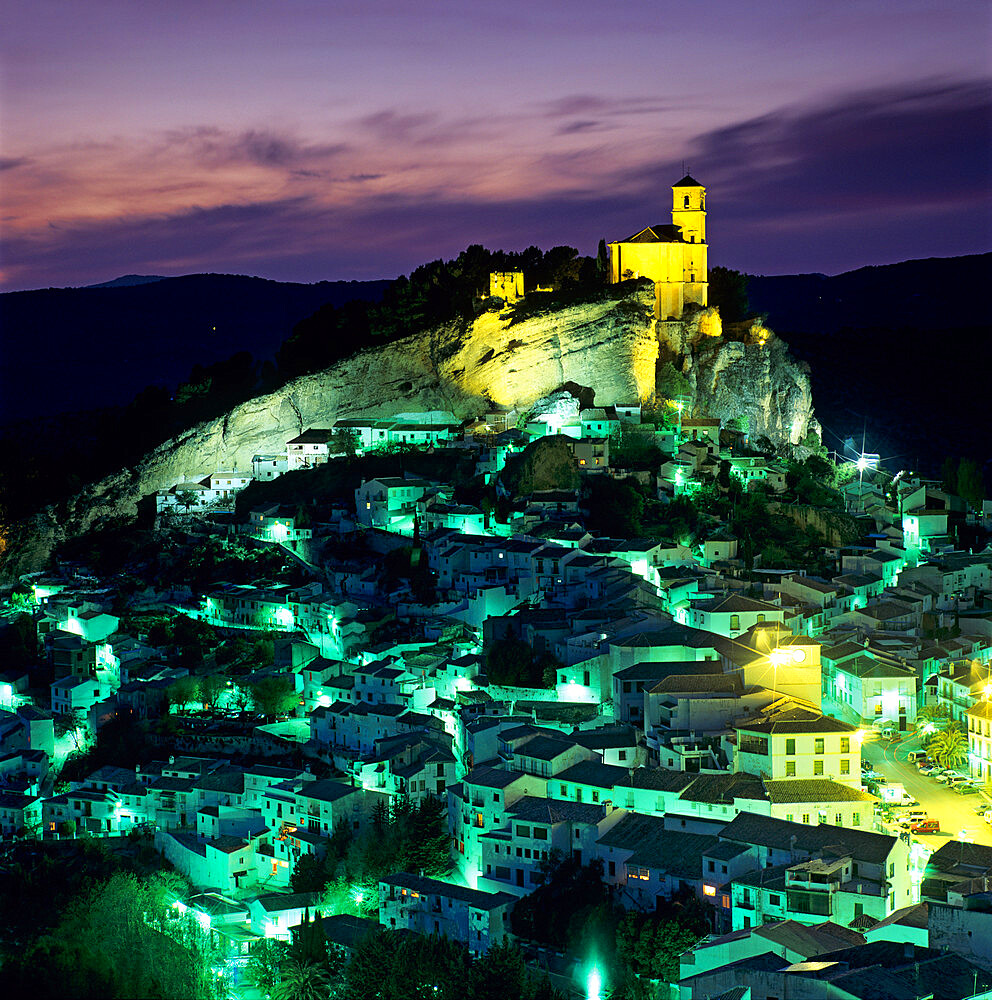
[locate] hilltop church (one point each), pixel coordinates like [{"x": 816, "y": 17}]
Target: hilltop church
[{"x": 672, "y": 256}]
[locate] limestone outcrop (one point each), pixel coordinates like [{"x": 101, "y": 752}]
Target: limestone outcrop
[{"x": 611, "y": 346}]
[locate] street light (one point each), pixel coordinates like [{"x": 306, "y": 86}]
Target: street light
[{"x": 594, "y": 985}]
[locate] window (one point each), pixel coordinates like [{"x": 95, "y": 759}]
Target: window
[
  {"x": 856, "y": 819},
  {"x": 774, "y": 900},
  {"x": 711, "y": 866},
  {"x": 790, "y": 768},
  {"x": 523, "y": 831},
  {"x": 817, "y": 767},
  {"x": 790, "y": 748},
  {"x": 735, "y": 622},
  {"x": 845, "y": 766},
  {"x": 892, "y": 869},
  {"x": 540, "y": 833},
  {"x": 845, "y": 744},
  {"x": 564, "y": 790},
  {"x": 805, "y": 817},
  {"x": 818, "y": 745}
]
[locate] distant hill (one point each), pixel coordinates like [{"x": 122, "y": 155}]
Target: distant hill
[
  {"x": 899, "y": 353},
  {"x": 126, "y": 280},
  {"x": 944, "y": 291},
  {"x": 76, "y": 348}
]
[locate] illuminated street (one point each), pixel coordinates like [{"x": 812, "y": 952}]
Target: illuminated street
[{"x": 955, "y": 812}]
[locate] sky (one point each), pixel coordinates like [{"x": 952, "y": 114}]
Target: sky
[{"x": 302, "y": 140}]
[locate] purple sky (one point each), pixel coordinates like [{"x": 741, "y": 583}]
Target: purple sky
[{"x": 320, "y": 140}]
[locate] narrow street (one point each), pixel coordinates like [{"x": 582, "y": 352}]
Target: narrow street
[{"x": 956, "y": 813}]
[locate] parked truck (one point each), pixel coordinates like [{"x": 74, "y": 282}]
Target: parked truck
[{"x": 895, "y": 794}]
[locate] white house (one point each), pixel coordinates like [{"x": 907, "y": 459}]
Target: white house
[{"x": 309, "y": 449}]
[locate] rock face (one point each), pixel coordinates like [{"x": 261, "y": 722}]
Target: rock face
[
  {"x": 760, "y": 382},
  {"x": 611, "y": 346}
]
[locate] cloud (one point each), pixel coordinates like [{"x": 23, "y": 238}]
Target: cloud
[
  {"x": 586, "y": 125},
  {"x": 259, "y": 147},
  {"x": 593, "y": 104},
  {"x": 866, "y": 177},
  {"x": 12, "y": 162}
]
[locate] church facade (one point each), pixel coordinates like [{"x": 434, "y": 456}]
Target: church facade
[{"x": 672, "y": 255}]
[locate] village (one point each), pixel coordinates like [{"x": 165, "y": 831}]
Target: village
[
  {"x": 439, "y": 675},
  {"x": 700, "y": 727}
]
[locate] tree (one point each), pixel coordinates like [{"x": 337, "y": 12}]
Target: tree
[
  {"x": 119, "y": 938},
  {"x": 183, "y": 691},
  {"x": 274, "y": 696},
  {"x": 264, "y": 968},
  {"x": 309, "y": 874},
  {"x": 68, "y": 828},
  {"x": 651, "y": 946},
  {"x": 241, "y": 697},
  {"x": 950, "y": 747},
  {"x": 728, "y": 291},
  {"x": 931, "y": 717},
  {"x": 210, "y": 688},
  {"x": 602, "y": 261},
  {"x": 510, "y": 662},
  {"x": 344, "y": 442},
  {"x": 971, "y": 486},
  {"x": 302, "y": 981},
  {"x": 70, "y": 724}
]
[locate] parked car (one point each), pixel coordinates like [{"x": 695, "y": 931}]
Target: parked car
[
  {"x": 914, "y": 816},
  {"x": 927, "y": 769},
  {"x": 943, "y": 777},
  {"x": 958, "y": 779},
  {"x": 925, "y": 826},
  {"x": 916, "y": 756},
  {"x": 965, "y": 787}
]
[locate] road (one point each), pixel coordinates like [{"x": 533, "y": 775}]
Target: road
[{"x": 955, "y": 812}]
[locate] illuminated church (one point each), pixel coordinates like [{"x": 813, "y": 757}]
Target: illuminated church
[{"x": 672, "y": 256}]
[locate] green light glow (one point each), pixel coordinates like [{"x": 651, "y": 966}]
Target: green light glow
[{"x": 594, "y": 985}]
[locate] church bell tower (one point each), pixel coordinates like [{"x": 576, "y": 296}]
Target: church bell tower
[{"x": 689, "y": 209}]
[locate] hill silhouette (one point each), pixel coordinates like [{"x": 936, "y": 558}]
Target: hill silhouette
[
  {"x": 898, "y": 353},
  {"x": 77, "y": 348}
]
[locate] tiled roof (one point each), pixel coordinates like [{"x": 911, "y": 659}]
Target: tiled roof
[
  {"x": 814, "y": 790},
  {"x": 538, "y": 810},
  {"x": 434, "y": 887},
  {"x": 749, "y": 828},
  {"x": 672, "y": 851}
]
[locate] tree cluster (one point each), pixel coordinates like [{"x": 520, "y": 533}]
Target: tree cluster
[
  {"x": 403, "y": 836},
  {"x": 121, "y": 937},
  {"x": 512, "y": 663},
  {"x": 389, "y": 964}
]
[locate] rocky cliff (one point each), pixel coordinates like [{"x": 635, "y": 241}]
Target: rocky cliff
[{"x": 613, "y": 346}]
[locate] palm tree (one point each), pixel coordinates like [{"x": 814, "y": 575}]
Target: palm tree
[
  {"x": 931, "y": 715},
  {"x": 949, "y": 747},
  {"x": 302, "y": 981}
]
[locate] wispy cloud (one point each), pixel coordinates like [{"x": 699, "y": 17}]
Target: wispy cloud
[
  {"x": 12, "y": 162},
  {"x": 879, "y": 174}
]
